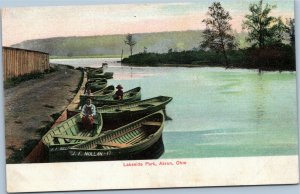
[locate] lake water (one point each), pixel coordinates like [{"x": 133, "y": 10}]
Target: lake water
[{"x": 216, "y": 112}]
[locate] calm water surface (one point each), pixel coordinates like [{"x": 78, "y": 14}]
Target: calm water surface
[{"x": 216, "y": 112}]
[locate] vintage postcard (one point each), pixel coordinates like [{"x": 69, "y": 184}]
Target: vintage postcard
[{"x": 161, "y": 95}]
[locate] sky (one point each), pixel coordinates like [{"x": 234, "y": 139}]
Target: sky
[{"x": 20, "y": 24}]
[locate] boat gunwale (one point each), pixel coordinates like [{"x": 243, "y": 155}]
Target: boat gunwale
[
  {"x": 157, "y": 133},
  {"x": 110, "y": 109},
  {"x": 137, "y": 93}
]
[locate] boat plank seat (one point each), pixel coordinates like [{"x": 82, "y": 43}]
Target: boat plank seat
[
  {"x": 113, "y": 144},
  {"x": 72, "y": 137},
  {"x": 152, "y": 123},
  {"x": 137, "y": 138},
  {"x": 61, "y": 141}
]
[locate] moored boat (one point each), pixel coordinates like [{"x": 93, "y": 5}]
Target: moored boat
[
  {"x": 69, "y": 133},
  {"x": 133, "y": 110},
  {"x": 94, "y": 70},
  {"x": 122, "y": 143},
  {"x": 128, "y": 96},
  {"x": 106, "y": 75},
  {"x": 108, "y": 91},
  {"x": 96, "y": 85}
]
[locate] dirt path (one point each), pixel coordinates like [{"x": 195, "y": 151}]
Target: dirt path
[{"x": 29, "y": 105}]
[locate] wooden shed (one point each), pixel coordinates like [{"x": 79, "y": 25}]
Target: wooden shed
[{"x": 18, "y": 62}]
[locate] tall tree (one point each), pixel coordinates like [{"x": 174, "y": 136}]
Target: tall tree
[
  {"x": 263, "y": 29},
  {"x": 218, "y": 33},
  {"x": 130, "y": 42},
  {"x": 290, "y": 29}
]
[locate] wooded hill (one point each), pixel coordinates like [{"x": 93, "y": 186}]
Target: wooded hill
[{"x": 113, "y": 44}]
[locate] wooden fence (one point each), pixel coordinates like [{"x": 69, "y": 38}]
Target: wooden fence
[{"x": 18, "y": 62}]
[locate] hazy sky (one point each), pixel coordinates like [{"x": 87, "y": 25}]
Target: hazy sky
[{"x": 19, "y": 24}]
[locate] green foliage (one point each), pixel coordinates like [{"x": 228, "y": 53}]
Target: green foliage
[
  {"x": 290, "y": 29},
  {"x": 218, "y": 33},
  {"x": 274, "y": 57},
  {"x": 34, "y": 75},
  {"x": 184, "y": 57},
  {"x": 263, "y": 29}
]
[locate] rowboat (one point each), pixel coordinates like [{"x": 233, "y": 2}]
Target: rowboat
[
  {"x": 106, "y": 75},
  {"x": 69, "y": 133},
  {"x": 133, "y": 110},
  {"x": 96, "y": 85},
  {"x": 94, "y": 70},
  {"x": 94, "y": 79},
  {"x": 128, "y": 96},
  {"x": 122, "y": 143},
  {"x": 108, "y": 91}
]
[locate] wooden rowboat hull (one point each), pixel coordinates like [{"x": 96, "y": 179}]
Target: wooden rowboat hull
[
  {"x": 91, "y": 70},
  {"x": 134, "y": 138},
  {"x": 69, "y": 133},
  {"x": 106, "y": 75},
  {"x": 97, "y": 85},
  {"x": 154, "y": 151},
  {"x": 100, "y": 94},
  {"x": 133, "y": 110},
  {"x": 129, "y": 96}
]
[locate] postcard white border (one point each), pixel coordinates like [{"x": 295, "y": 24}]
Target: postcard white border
[
  {"x": 123, "y": 175},
  {"x": 32, "y": 169}
]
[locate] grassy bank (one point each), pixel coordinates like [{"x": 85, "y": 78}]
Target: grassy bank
[
  {"x": 29, "y": 76},
  {"x": 273, "y": 58}
]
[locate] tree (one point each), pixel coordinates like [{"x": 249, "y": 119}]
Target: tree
[
  {"x": 218, "y": 34},
  {"x": 290, "y": 29},
  {"x": 263, "y": 29},
  {"x": 130, "y": 42},
  {"x": 145, "y": 49}
]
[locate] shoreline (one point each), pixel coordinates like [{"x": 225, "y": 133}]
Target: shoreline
[{"x": 205, "y": 65}]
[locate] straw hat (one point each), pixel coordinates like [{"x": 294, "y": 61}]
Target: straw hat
[{"x": 119, "y": 87}]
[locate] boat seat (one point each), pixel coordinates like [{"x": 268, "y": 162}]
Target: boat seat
[
  {"x": 72, "y": 137},
  {"x": 152, "y": 123}
]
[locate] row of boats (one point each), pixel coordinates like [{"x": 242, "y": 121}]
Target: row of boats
[{"x": 122, "y": 129}]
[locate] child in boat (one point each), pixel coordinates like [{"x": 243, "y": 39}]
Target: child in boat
[
  {"x": 88, "y": 92},
  {"x": 119, "y": 93},
  {"x": 88, "y": 114}
]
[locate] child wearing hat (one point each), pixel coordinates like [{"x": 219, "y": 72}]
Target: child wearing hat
[{"x": 119, "y": 93}]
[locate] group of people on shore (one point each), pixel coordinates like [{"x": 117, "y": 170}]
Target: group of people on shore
[{"x": 89, "y": 110}]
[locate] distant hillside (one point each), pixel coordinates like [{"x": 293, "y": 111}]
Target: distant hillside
[{"x": 113, "y": 44}]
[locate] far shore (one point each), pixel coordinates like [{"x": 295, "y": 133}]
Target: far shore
[{"x": 204, "y": 65}]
